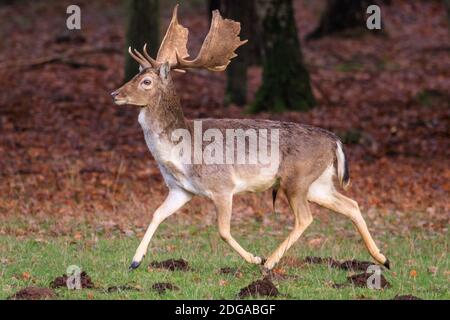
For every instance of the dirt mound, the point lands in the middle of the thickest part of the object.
(263, 287)
(406, 297)
(171, 264)
(361, 280)
(61, 282)
(161, 287)
(355, 265)
(33, 293)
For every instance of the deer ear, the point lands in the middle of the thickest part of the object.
(164, 71)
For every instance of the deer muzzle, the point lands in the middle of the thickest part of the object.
(117, 99)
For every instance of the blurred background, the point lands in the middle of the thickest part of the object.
(68, 154)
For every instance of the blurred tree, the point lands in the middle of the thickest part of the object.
(143, 27)
(341, 15)
(7, 2)
(245, 13)
(285, 83)
(250, 53)
(447, 5)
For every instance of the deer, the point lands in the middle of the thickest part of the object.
(311, 165)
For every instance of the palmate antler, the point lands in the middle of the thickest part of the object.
(215, 54)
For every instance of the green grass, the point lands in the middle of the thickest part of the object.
(106, 260)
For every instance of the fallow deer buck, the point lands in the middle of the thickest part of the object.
(309, 157)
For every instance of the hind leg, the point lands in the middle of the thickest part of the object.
(349, 208)
(303, 219)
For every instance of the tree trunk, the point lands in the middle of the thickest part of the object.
(251, 28)
(286, 84)
(245, 13)
(341, 15)
(143, 27)
(236, 89)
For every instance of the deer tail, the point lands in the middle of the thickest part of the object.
(342, 166)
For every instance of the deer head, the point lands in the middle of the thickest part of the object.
(154, 76)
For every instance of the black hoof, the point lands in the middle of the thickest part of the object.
(387, 264)
(263, 260)
(134, 265)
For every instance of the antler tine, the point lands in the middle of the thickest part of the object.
(142, 57)
(218, 47)
(154, 63)
(139, 59)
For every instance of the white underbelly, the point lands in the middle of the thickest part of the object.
(254, 183)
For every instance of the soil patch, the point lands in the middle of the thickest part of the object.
(171, 264)
(263, 287)
(355, 265)
(361, 280)
(161, 287)
(33, 293)
(61, 282)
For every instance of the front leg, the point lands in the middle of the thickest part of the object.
(223, 205)
(174, 201)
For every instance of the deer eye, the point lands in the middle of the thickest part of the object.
(146, 82)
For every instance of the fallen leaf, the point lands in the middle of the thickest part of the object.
(279, 271)
(26, 276)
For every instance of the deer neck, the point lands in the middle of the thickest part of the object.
(163, 116)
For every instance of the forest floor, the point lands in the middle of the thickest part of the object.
(76, 176)
(419, 268)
